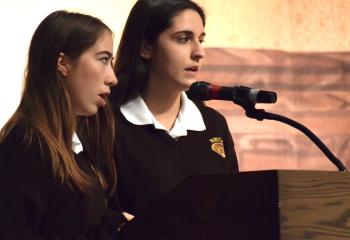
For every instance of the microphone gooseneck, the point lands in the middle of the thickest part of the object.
(247, 98)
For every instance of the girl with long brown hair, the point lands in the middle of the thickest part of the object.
(51, 186)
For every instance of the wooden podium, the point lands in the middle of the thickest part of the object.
(284, 204)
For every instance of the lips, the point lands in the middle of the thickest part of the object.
(192, 69)
(103, 99)
(191, 72)
(103, 95)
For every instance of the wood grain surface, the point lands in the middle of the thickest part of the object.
(314, 205)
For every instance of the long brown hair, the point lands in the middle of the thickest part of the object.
(46, 104)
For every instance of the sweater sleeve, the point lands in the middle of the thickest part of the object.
(26, 182)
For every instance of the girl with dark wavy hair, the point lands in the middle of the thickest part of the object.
(169, 137)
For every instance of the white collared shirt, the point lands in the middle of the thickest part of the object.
(77, 147)
(189, 117)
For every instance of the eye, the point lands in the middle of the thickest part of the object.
(183, 39)
(201, 41)
(104, 60)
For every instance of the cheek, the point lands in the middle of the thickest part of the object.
(170, 59)
(80, 83)
(87, 70)
(89, 77)
(164, 50)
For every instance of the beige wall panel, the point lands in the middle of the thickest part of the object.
(313, 89)
(294, 25)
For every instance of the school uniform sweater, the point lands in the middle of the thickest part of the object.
(35, 205)
(150, 162)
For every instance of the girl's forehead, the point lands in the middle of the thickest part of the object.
(187, 19)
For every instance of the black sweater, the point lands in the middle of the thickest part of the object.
(150, 162)
(35, 205)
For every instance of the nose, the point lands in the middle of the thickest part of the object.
(111, 79)
(198, 51)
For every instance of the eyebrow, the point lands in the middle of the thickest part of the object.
(189, 33)
(105, 52)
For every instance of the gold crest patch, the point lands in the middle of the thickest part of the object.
(217, 145)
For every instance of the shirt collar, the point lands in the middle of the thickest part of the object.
(189, 117)
(77, 147)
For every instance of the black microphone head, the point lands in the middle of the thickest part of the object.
(265, 97)
(205, 91)
(199, 91)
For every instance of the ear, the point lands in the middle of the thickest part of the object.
(146, 50)
(62, 65)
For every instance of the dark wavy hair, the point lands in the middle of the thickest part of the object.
(146, 21)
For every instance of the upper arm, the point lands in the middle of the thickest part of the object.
(24, 181)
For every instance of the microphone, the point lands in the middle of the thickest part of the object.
(206, 91)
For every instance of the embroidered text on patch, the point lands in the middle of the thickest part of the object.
(217, 145)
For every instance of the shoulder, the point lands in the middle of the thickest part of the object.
(15, 137)
(121, 121)
(25, 173)
(20, 148)
(208, 113)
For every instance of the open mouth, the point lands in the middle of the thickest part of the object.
(103, 99)
(104, 95)
(192, 69)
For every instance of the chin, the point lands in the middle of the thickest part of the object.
(92, 113)
(88, 113)
(187, 84)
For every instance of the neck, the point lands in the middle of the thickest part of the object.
(164, 103)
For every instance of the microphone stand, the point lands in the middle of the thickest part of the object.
(261, 114)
